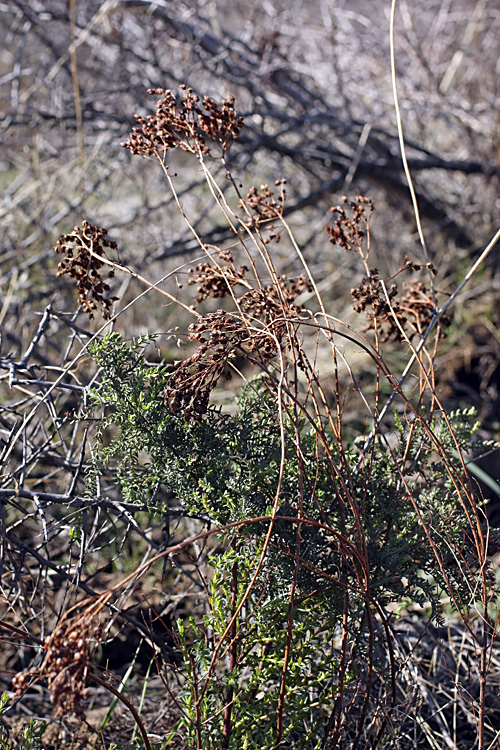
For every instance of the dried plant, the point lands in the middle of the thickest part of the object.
(349, 233)
(323, 524)
(222, 336)
(67, 658)
(216, 281)
(81, 263)
(396, 317)
(185, 124)
(264, 208)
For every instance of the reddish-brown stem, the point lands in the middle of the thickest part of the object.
(128, 704)
(233, 658)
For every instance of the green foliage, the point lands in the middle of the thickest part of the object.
(230, 468)
(324, 534)
(30, 737)
(261, 639)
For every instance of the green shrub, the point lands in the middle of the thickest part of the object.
(324, 528)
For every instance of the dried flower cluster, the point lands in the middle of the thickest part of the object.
(349, 233)
(81, 249)
(185, 124)
(222, 335)
(216, 281)
(370, 299)
(66, 662)
(417, 308)
(392, 315)
(263, 208)
(274, 303)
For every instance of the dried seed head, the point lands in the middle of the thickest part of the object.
(82, 249)
(184, 124)
(346, 232)
(222, 335)
(66, 662)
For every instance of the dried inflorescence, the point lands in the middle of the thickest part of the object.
(66, 662)
(392, 316)
(184, 124)
(81, 249)
(215, 281)
(370, 299)
(349, 233)
(276, 302)
(395, 317)
(222, 335)
(263, 208)
(417, 307)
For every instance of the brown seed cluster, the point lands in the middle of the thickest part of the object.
(276, 301)
(392, 316)
(413, 311)
(184, 124)
(80, 263)
(216, 281)
(417, 308)
(66, 663)
(264, 208)
(349, 233)
(221, 335)
(370, 299)
(191, 384)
